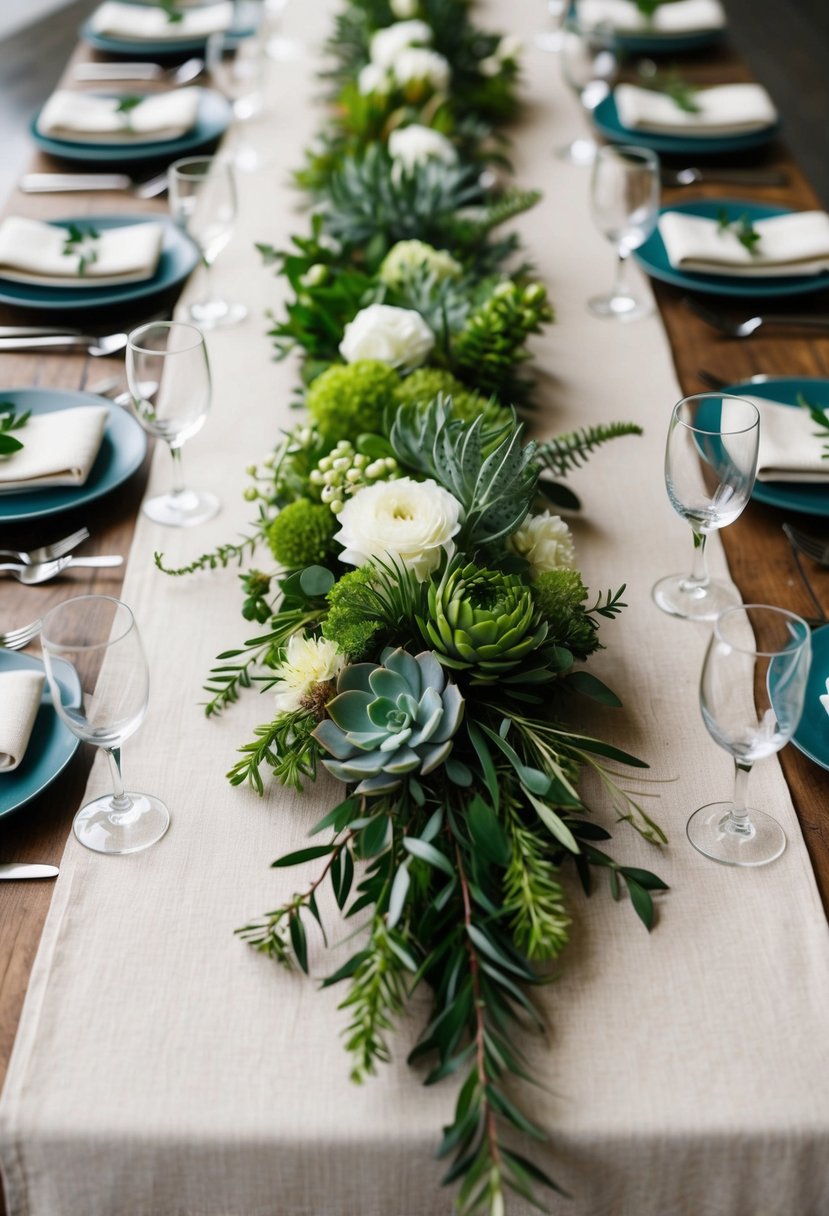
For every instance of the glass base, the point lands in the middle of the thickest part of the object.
(183, 510)
(100, 828)
(579, 152)
(210, 314)
(709, 832)
(247, 159)
(678, 596)
(284, 50)
(549, 41)
(622, 308)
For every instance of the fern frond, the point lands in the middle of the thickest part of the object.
(570, 451)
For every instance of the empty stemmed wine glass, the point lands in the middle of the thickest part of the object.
(237, 69)
(97, 637)
(589, 65)
(202, 195)
(624, 201)
(277, 44)
(752, 691)
(710, 466)
(169, 381)
(550, 39)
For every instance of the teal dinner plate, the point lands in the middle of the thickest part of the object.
(51, 746)
(179, 256)
(667, 44)
(606, 120)
(812, 734)
(212, 120)
(122, 451)
(809, 498)
(141, 48)
(653, 259)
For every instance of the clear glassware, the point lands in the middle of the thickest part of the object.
(751, 695)
(624, 201)
(97, 637)
(278, 45)
(169, 381)
(551, 38)
(237, 69)
(710, 466)
(202, 194)
(589, 65)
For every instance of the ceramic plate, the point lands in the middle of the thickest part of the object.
(606, 120)
(667, 44)
(812, 734)
(122, 451)
(212, 120)
(51, 746)
(141, 48)
(654, 260)
(179, 256)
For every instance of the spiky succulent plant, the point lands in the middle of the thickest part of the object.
(481, 621)
(390, 719)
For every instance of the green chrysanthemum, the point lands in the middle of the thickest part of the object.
(559, 596)
(352, 399)
(301, 534)
(350, 621)
(481, 620)
(423, 385)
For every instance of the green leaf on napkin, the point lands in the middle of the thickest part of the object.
(126, 106)
(742, 228)
(80, 243)
(10, 420)
(169, 7)
(819, 416)
(681, 92)
(648, 7)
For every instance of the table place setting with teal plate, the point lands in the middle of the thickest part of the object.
(679, 27)
(679, 142)
(118, 27)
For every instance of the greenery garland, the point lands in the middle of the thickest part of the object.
(426, 629)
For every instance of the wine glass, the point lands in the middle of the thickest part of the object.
(277, 45)
(169, 382)
(97, 637)
(751, 695)
(550, 39)
(710, 466)
(237, 69)
(589, 65)
(203, 201)
(624, 200)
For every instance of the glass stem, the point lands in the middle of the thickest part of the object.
(178, 474)
(698, 579)
(121, 803)
(738, 822)
(621, 284)
(208, 280)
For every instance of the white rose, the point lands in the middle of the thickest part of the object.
(420, 64)
(509, 48)
(397, 336)
(413, 145)
(374, 79)
(308, 661)
(403, 8)
(407, 256)
(546, 543)
(387, 44)
(411, 521)
(491, 66)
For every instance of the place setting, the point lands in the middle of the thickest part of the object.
(657, 29)
(118, 27)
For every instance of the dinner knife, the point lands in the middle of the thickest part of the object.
(41, 183)
(26, 869)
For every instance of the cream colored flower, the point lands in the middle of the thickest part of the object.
(408, 256)
(374, 79)
(308, 662)
(413, 522)
(420, 64)
(397, 336)
(509, 48)
(410, 146)
(388, 43)
(545, 541)
(403, 9)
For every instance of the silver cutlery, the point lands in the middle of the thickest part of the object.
(742, 177)
(750, 325)
(814, 547)
(719, 382)
(182, 74)
(47, 553)
(62, 183)
(44, 571)
(19, 639)
(107, 344)
(27, 869)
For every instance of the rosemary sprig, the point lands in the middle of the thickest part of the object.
(10, 420)
(742, 228)
(80, 243)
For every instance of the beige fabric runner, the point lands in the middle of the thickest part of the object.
(163, 1069)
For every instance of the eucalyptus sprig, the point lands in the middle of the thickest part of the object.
(125, 107)
(820, 416)
(11, 420)
(172, 12)
(681, 92)
(742, 228)
(81, 243)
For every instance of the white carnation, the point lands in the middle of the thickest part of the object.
(388, 43)
(403, 8)
(545, 541)
(410, 146)
(374, 79)
(419, 64)
(397, 336)
(407, 256)
(412, 522)
(308, 661)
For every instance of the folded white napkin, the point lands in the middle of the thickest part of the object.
(793, 244)
(33, 252)
(20, 693)
(118, 20)
(86, 118)
(726, 109)
(790, 448)
(59, 449)
(678, 17)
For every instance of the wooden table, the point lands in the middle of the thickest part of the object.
(757, 550)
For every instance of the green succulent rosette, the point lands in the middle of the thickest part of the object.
(390, 719)
(481, 620)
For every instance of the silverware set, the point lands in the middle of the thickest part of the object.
(749, 325)
(691, 176)
(49, 338)
(186, 72)
(40, 565)
(65, 183)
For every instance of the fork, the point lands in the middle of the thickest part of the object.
(17, 639)
(746, 177)
(104, 345)
(743, 329)
(813, 546)
(47, 553)
(183, 74)
(50, 183)
(44, 571)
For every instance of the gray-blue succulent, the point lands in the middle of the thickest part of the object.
(390, 719)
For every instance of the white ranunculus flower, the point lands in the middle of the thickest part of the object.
(387, 44)
(420, 64)
(407, 256)
(546, 543)
(374, 79)
(410, 146)
(490, 66)
(403, 9)
(397, 336)
(308, 661)
(509, 48)
(411, 521)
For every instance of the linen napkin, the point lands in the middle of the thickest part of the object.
(678, 17)
(726, 109)
(118, 20)
(86, 118)
(34, 252)
(59, 449)
(20, 693)
(790, 449)
(793, 244)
